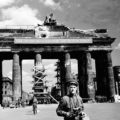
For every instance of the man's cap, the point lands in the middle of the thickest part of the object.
(72, 82)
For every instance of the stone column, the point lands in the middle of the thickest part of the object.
(65, 70)
(38, 62)
(16, 77)
(86, 83)
(38, 59)
(101, 74)
(117, 88)
(90, 82)
(104, 74)
(1, 83)
(82, 76)
(62, 76)
(21, 78)
(38, 76)
(109, 75)
(68, 75)
(116, 70)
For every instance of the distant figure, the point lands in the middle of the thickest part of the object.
(3, 104)
(71, 105)
(50, 17)
(35, 102)
(46, 20)
(19, 102)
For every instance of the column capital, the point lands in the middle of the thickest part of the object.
(37, 52)
(15, 52)
(87, 51)
(107, 51)
(100, 48)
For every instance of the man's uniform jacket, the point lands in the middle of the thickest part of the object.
(67, 104)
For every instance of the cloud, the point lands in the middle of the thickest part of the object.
(4, 3)
(103, 12)
(60, 4)
(27, 76)
(9, 75)
(28, 62)
(117, 47)
(50, 66)
(74, 68)
(24, 73)
(26, 81)
(19, 16)
(53, 4)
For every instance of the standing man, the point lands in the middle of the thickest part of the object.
(71, 105)
(35, 102)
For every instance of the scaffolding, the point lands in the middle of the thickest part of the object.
(40, 87)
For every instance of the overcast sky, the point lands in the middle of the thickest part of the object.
(82, 14)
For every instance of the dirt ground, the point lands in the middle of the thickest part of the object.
(96, 111)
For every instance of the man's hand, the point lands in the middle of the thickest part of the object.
(70, 114)
(77, 111)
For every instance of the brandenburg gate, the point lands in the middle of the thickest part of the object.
(53, 41)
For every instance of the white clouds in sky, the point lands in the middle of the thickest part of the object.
(4, 3)
(27, 81)
(23, 15)
(52, 4)
(74, 66)
(9, 75)
(117, 47)
(27, 62)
